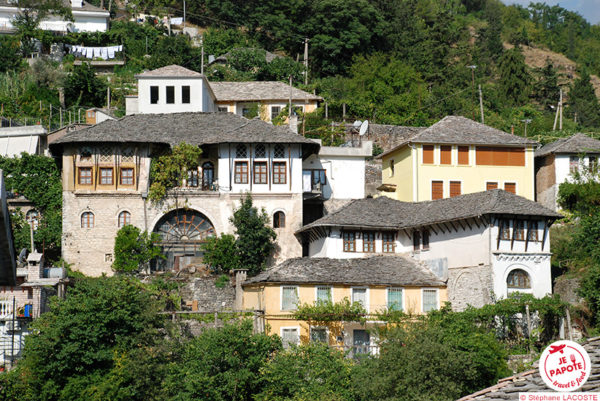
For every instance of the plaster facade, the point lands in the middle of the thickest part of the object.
(267, 108)
(84, 20)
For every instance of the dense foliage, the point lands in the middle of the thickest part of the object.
(134, 249)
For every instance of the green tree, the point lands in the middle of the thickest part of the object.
(11, 58)
(255, 239)
(545, 88)
(134, 249)
(514, 77)
(84, 88)
(220, 253)
(583, 101)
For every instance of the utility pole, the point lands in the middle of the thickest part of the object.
(526, 121)
(472, 67)
(202, 54)
(184, 15)
(560, 106)
(481, 105)
(305, 61)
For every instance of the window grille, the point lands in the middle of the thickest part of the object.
(241, 152)
(394, 301)
(279, 152)
(289, 299)
(259, 151)
(430, 301)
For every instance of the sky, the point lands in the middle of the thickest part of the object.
(589, 9)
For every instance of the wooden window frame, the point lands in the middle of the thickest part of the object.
(446, 152)
(260, 177)
(532, 231)
(80, 176)
(279, 219)
(243, 175)
(371, 248)
(102, 177)
(89, 219)
(385, 245)
(416, 241)
(278, 173)
(347, 242)
(274, 114)
(425, 240)
(122, 177)
(392, 167)
(519, 230)
(125, 220)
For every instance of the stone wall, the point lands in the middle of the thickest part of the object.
(210, 298)
(469, 286)
(545, 181)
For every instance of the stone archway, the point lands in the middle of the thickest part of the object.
(183, 233)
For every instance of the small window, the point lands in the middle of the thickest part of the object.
(278, 219)
(279, 152)
(33, 218)
(323, 294)
(108, 257)
(126, 176)
(289, 336)
(428, 154)
(573, 164)
(124, 218)
(455, 188)
(519, 231)
(279, 174)
(185, 94)
(425, 245)
(318, 335)
(241, 152)
(445, 154)
(416, 241)
(275, 110)
(463, 155)
(510, 187)
(85, 155)
(389, 244)
(170, 94)
(128, 155)
(360, 295)
(193, 178)
(87, 220)
(154, 94)
(392, 167)
(106, 176)
(505, 229)
(260, 152)
(394, 299)
(260, 172)
(491, 185)
(106, 154)
(430, 300)
(437, 190)
(368, 241)
(222, 109)
(241, 173)
(319, 179)
(289, 298)
(349, 241)
(518, 279)
(85, 176)
(532, 231)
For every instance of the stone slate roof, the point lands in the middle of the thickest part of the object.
(387, 213)
(268, 55)
(459, 130)
(170, 71)
(258, 90)
(531, 381)
(374, 270)
(578, 143)
(193, 128)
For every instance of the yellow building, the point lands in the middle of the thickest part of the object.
(268, 98)
(379, 283)
(458, 156)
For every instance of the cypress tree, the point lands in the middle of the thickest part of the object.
(583, 101)
(514, 78)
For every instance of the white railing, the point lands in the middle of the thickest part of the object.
(5, 309)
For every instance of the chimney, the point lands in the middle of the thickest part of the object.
(240, 277)
(294, 123)
(35, 266)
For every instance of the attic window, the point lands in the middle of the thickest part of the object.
(106, 154)
(127, 155)
(240, 152)
(260, 152)
(279, 152)
(85, 154)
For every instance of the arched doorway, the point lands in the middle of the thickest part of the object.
(183, 233)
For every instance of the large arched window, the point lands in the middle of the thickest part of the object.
(87, 220)
(208, 176)
(33, 218)
(278, 220)
(518, 279)
(124, 218)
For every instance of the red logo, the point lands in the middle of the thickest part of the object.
(565, 366)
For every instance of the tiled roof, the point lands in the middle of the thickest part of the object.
(170, 71)
(257, 91)
(531, 381)
(192, 128)
(375, 270)
(459, 130)
(578, 143)
(387, 213)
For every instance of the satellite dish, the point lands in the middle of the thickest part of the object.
(357, 123)
(363, 128)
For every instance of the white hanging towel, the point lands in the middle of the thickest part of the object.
(104, 53)
(97, 51)
(89, 52)
(111, 52)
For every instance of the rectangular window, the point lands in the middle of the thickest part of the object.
(455, 189)
(389, 244)
(185, 94)
(323, 294)
(368, 241)
(416, 240)
(573, 164)
(260, 172)
(437, 190)
(463, 155)
(505, 229)
(361, 342)
(85, 176)
(222, 109)
(532, 231)
(428, 154)
(275, 110)
(241, 172)
(349, 241)
(319, 179)
(289, 298)
(430, 299)
(154, 94)
(425, 245)
(106, 176)
(360, 295)
(318, 335)
(491, 185)
(289, 336)
(392, 166)
(193, 178)
(279, 173)
(126, 176)
(499, 156)
(170, 94)
(445, 154)
(519, 231)
(394, 299)
(510, 187)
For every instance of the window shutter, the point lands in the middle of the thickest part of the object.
(445, 154)
(510, 187)
(455, 188)
(428, 154)
(463, 155)
(491, 185)
(437, 190)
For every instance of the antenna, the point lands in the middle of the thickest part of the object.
(363, 128)
(357, 124)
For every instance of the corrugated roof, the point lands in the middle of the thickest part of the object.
(387, 213)
(258, 90)
(170, 71)
(375, 270)
(578, 143)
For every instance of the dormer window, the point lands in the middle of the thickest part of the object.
(240, 152)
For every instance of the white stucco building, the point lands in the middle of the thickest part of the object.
(487, 244)
(557, 161)
(86, 17)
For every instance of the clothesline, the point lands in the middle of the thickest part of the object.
(105, 52)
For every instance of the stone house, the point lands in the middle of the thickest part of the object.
(457, 156)
(556, 161)
(486, 244)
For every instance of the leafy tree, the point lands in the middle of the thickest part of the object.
(134, 249)
(583, 101)
(514, 77)
(174, 50)
(309, 372)
(220, 41)
(255, 239)
(220, 253)
(10, 54)
(83, 88)
(280, 69)
(545, 89)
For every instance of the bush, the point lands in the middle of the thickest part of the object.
(134, 249)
